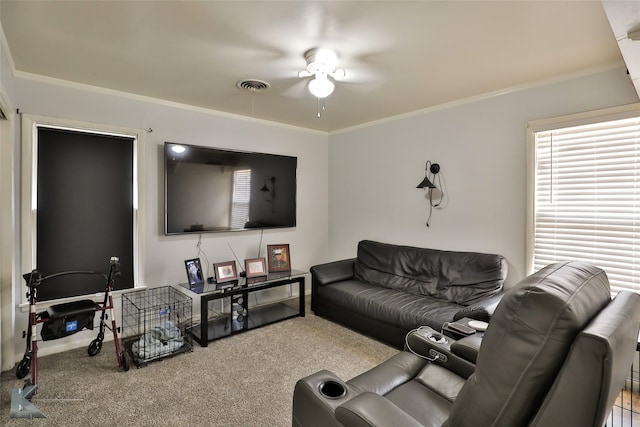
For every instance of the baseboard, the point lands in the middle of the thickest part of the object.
(78, 340)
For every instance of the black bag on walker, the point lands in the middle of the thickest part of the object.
(67, 319)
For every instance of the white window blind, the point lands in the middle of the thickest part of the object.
(587, 198)
(241, 198)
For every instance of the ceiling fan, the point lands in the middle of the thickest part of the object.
(321, 64)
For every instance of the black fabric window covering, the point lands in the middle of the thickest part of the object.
(85, 212)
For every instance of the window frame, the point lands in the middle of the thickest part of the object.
(586, 118)
(29, 144)
(241, 190)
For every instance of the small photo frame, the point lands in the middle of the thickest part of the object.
(279, 259)
(255, 267)
(225, 271)
(194, 272)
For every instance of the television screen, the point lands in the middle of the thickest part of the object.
(215, 190)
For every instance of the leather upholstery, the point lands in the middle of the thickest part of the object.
(390, 305)
(419, 343)
(557, 352)
(604, 351)
(468, 348)
(390, 289)
(456, 277)
(369, 409)
(523, 350)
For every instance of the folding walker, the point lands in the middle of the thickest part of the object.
(64, 319)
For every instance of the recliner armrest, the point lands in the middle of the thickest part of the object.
(468, 347)
(370, 410)
(311, 407)
(439, 353)
(336, 271)
(481, 310)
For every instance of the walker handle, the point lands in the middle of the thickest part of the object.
(114, 271)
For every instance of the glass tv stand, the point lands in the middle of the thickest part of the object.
(236, 307)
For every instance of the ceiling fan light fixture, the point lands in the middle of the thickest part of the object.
(321, 60)
(321, 64)
(321, 86)
(338, 75)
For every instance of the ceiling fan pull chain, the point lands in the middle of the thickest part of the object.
(253, 92)
(320, 106)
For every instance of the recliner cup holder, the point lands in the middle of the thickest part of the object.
(332, 389)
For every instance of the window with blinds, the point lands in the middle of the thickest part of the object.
(241, 198)
(586, 201)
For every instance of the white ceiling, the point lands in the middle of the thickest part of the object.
(399, 56)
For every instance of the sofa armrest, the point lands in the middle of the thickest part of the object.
(370, 410)
(336, 271)
(481, 310)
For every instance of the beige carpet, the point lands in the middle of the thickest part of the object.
(244, 380)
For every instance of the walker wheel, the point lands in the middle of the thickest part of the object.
(23, 367)
(94, 347)
(125, 361)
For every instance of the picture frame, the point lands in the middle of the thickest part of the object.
(225, 271)
(255, 267)
(194, 272)
(279, 257)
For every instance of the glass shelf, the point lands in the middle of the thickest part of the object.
(234, 307)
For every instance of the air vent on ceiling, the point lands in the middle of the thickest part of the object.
(253, 85)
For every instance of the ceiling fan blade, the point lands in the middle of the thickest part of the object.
(297, 90)
(362, 75)
(361, 80)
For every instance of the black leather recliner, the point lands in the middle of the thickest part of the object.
(556, 353)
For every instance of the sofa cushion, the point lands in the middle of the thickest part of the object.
(455, 277)
(423, 390)
(389, 305)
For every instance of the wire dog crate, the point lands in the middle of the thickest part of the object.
(626, 410)
(154, 324)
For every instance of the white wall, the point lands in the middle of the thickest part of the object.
(163, 256)
(8, 237)
(480, 147)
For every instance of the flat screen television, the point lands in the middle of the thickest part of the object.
(211, 190)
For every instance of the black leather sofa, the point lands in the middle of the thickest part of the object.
(557, 352)
(388, 290)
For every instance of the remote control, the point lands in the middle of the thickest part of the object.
(463, 329)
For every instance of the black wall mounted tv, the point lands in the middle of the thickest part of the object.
(211, 190)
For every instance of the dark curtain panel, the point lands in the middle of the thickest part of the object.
(85, 210)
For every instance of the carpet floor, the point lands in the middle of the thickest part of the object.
(243, 380)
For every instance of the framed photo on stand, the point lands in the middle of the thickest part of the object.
(194, 272)
(225, 271)
(255, 267)
(279, 259)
